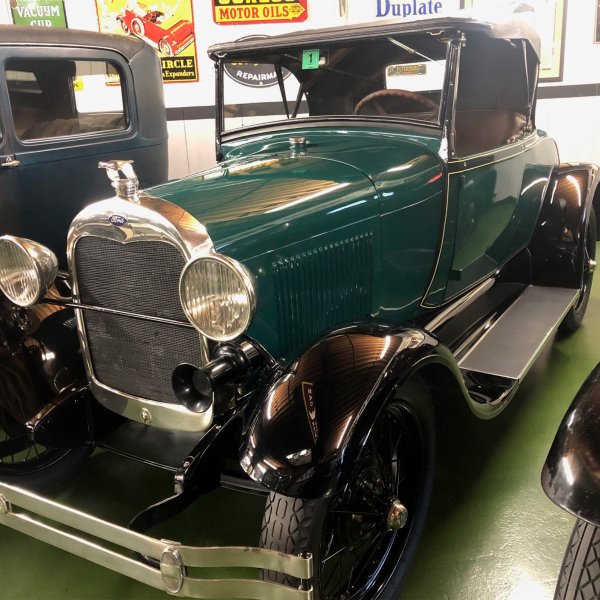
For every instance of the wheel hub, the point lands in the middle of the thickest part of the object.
(397, 515)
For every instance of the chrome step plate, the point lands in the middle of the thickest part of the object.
(515, 340)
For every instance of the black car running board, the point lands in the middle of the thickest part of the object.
(496, 364)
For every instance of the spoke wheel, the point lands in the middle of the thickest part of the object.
(25, 462)
(363, 537)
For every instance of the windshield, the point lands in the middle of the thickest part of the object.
(398, 77)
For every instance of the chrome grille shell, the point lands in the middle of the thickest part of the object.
(151, 219)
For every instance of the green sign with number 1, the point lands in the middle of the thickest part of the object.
(310, 59)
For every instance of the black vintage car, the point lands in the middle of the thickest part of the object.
(386, 230)
(67, 100)
(571, 479)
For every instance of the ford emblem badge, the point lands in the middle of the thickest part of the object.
(117, 220)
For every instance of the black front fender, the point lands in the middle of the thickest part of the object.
(307, 419)
(571, 474)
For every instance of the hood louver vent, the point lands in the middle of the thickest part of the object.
(327, 286)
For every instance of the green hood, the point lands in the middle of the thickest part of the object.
(263, 197)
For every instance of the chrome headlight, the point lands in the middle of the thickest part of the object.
(27, 270)
(218, 297)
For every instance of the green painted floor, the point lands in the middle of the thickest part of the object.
(491, 534)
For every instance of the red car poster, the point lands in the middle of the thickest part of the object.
(243, 12)
(167, 25)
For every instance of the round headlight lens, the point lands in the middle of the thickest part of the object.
(27, 269)
(218, 297)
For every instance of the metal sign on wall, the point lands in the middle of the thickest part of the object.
(39, 13)
(254, 74)
(241, 12)
(167, 26)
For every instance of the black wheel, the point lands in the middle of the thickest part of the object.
(364, 536)
(25, 463)
(573, 319)
(578, 577)
(164, 48)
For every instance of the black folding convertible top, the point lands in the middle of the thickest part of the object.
(15, 35)
(512, 30)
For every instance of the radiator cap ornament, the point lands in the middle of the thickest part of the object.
(126, 186)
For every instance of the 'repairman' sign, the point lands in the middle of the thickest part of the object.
(40, 13)
(240, 12)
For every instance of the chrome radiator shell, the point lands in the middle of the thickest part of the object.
(150, 220)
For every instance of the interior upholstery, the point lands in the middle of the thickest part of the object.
(479, 130)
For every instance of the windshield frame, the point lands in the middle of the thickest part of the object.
(222, 132)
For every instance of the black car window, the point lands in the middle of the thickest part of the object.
(494, 95)
(53, 98)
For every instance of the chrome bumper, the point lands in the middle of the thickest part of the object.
(174, 558)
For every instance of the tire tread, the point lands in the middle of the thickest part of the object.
(579, 577)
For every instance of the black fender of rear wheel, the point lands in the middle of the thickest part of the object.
(587, 258)
(359, 551)
(559, 240)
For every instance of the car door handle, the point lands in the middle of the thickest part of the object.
(10, 162)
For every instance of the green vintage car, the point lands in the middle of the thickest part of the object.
(386, 229)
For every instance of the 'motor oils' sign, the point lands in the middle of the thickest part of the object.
(236, 12)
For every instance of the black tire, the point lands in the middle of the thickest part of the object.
(26, 464)
(578, 578)
(574, 317)
(356, 556)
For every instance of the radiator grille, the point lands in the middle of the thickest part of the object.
(136, 356)
(139, 277)
(323, 287)
(129, 354)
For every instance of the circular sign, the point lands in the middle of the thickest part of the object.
(254, 74)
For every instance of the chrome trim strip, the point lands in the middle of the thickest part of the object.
(459, 305)
(163, 550)
(124, 313)
(149, 219)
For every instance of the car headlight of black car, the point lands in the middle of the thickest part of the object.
(27, 270)
(218, 296)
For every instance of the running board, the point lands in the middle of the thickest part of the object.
(506, 351)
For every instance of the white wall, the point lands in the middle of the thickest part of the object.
(573, 121)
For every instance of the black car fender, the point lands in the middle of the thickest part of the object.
(39, 357)
(325, 401)
(571, 473)
(558, 244)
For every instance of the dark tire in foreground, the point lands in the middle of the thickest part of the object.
(579, 577)
(574, 317)
(26, 464)
(358, 550)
